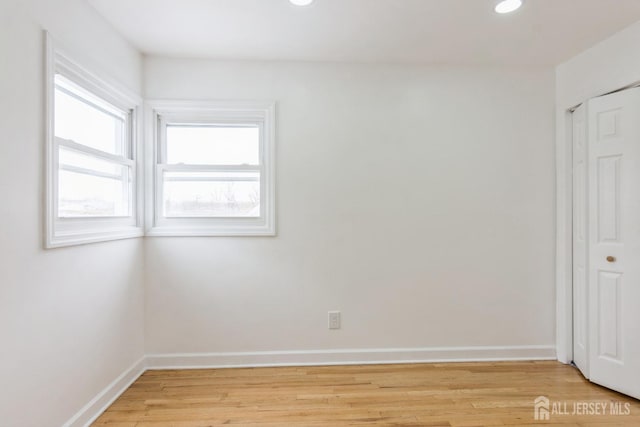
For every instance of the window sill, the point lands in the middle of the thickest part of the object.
(83, 238)
(258, 231)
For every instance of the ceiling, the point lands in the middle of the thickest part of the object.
(542, 32)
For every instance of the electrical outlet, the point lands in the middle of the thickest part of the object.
(334, 320)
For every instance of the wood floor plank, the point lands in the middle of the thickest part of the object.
(449, 395)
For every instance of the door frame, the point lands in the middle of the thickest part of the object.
(564, 235)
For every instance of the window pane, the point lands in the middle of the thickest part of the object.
(92, 187)
(213, 145)
(87, 120)
(211, 194)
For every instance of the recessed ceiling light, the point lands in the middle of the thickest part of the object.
(301, 2)
(507, 6)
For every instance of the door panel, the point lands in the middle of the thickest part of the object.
(608, 171)
(613, 153)
(609, 312)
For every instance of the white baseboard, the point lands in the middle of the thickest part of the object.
(350, 357)
(92, 410)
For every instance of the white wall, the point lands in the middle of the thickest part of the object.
(71, 320)
(609, 65)
(416, 200)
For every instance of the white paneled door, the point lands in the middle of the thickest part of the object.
(612, 324)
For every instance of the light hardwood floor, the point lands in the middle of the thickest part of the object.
(453, 394)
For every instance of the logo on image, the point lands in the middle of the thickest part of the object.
(541, 408)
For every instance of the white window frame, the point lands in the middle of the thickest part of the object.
(75, 231)
(239, 113)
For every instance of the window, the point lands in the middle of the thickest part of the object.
(91, 157)
(213, 169)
